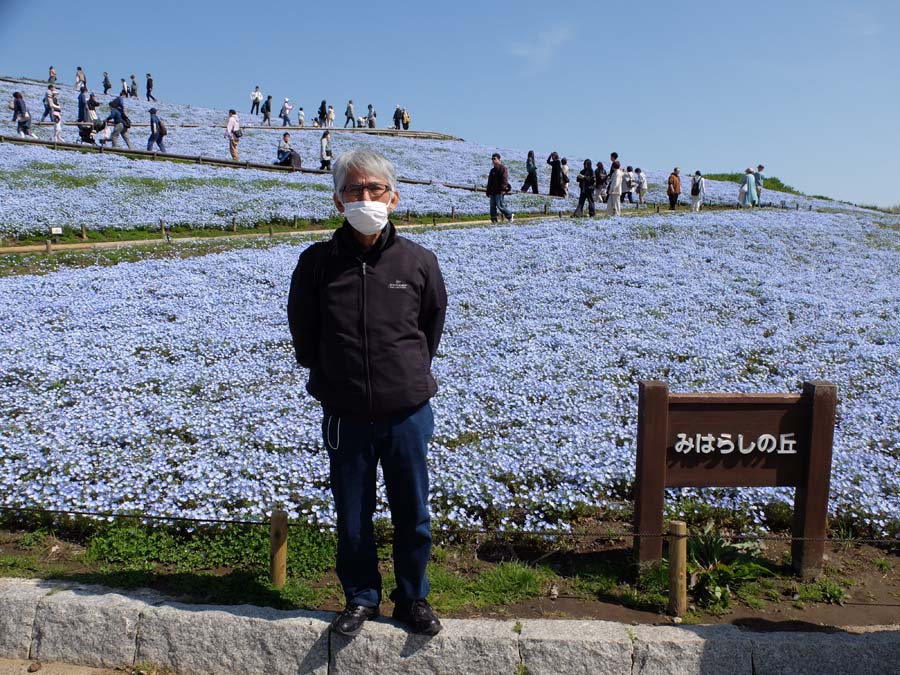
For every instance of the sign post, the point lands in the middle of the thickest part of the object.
(736, 440)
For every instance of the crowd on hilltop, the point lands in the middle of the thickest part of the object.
(261, 104)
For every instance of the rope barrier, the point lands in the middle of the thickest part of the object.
(604, 536)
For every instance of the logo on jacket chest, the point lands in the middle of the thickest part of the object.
(398, 285)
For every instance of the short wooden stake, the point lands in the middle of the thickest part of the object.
(278, 533)
(83, 231)
(49, 246)
(271, 233)
(162, 227)
(433, 220)
(407, 215)
(453, 212)
(657, 208)
(677, 568)
(233, 224)
(295, 222)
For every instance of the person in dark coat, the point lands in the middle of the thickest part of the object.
(531, 174)
(586, 183)
(366, 312)
(497, 186)
(267, 111)
(150, 96)
(82, 105)
(107, 85)
(556, 183)
(601, 181)
(398, 116)
(323, 114)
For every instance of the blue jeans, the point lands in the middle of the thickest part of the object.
(497, 205)
(156, 138)
(354, 450)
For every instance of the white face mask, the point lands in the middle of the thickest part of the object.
(366, 217)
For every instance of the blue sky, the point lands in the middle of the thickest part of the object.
(808, 89)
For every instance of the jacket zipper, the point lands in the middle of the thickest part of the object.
(369, 397)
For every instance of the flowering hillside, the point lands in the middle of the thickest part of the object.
(169, 387)
(109, 191)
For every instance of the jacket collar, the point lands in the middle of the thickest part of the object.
(344, 242)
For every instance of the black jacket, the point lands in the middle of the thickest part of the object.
(498, 181)
(367, 323)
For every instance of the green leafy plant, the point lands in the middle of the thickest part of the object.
(718, 568)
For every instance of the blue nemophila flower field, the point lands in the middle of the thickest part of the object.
(40, 187)
(169, 387)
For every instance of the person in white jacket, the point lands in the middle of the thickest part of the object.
(641, 186)
(698, 191)
(614, 191)
(233, 133)
(285, 113)
(256, 98)
(56, 116)
(326, 152)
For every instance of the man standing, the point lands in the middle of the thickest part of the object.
(497, 186)
(366, 312)
(673, 188)
(759, 177)
(398, 117)
(150, 95)
(233, 133)
(349, 115)
(267, 111)
(698, 191)
(107, 85)
(256, 98)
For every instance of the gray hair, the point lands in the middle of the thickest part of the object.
(365, 161)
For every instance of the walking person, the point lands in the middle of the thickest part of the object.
(371, 116)
(92, 105)
(326, 153)
(564, 168)
(107, 85)
(406, 119)
(349, 115)
(330, 117)
(614, 189)
(124, 92)
(323, 114)
(301, 117)
(134, 87)
(56, 118)
(285, 112)
(601, 182)
(398, 117)
(556, 188)
(51, 77)
(530, 174)
(82, 105)
(256, 97)
(628, 185)
(641, 186)
(150, 96)
(21, 116)
(498, 186)
(673, 188)
(157, 131)
(698, 191)
(267, 111)
(46, 101)
(233, 133)
(121, 124)
(758, 178)
(586, 183)
(366, 312)
(80, 79)
(747, 193)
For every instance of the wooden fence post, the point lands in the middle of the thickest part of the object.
(83, 231)
(278, 532)
(650, 475)
(453, 212)
(49, 246)
(233, 224)
(295, 222)
(271, 232)
(162, 227)
(677, 568)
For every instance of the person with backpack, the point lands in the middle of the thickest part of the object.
(497, 187)
(698, 191)
(233, 133)
(107, 85)
(371, 117)
(326, 153)
(285, 112)
(673, 188)
(21, 116)
(267, 111)
(530, 174)
(121, 123)
(641, 186)
(628, 184)
(150, 96)
(349, 115)
(256, 97)
(157, 132)
(406, 119)
(586, 182)
(80, 79)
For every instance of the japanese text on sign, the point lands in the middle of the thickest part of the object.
(725, 444)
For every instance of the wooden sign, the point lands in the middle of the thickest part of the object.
(736, 440)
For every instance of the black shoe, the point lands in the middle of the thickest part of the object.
(351, 620)
(419, 616)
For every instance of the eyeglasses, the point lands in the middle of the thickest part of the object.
(355, 192)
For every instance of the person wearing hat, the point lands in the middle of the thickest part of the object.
(285, 113)
(233, 133)
(157, 131)
(150, 88)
